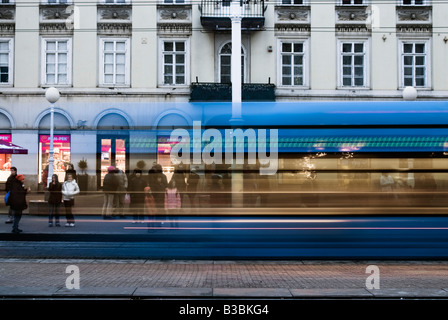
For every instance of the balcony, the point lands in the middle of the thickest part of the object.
(215, 14)
(221, 92)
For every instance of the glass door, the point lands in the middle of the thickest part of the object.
(113, 151)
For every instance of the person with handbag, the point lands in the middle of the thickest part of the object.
(17, 200)
(8, 189)
(69, 189)
(54, 200)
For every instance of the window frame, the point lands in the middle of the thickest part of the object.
(425, 3)
(10, 62)
(306, 59)
(244, 73)
(364, 3)
(428, 74)
(126, 2)
(291, 3)
(44, 41)
(57, 2)
(174, 2)
(127, 76)
(366, 66)
(161, 64)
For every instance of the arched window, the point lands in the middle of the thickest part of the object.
(225, 58)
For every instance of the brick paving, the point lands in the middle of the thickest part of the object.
(248, 278)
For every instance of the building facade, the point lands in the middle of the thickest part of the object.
(128, 67)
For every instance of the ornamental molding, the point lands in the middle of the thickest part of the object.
(108, 13)
(292, 14)
(61, 28)
(362, 29)
(7, 13)
(7, 29)
(414, 29)
(296, 28)
(406, 15)
(172, 14)
(175, 28)
(55, 12)
(352, 15)
(114, 28)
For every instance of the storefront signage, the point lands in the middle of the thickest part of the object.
(56, 138)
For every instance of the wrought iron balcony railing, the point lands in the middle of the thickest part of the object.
(216, 14)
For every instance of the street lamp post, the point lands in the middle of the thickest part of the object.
(52, 95)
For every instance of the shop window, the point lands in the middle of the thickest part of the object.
(5, 160)
(61, 155)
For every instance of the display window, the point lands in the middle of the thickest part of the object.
(113, 153)
(61, 155)
(5, 159)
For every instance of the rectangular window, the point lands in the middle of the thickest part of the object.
(353, 59)
(174, 62)
(293, 2)
(414, 64)
(58, 1)
(292, 63)
(115, 1)
(173, 1)
(115, 66)
(57, 61)
(7, 1)
(353, 2)
(413, 2)
(61, 155)
(6, 61)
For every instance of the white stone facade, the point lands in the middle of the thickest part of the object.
(112, 61)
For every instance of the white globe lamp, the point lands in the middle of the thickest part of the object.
(410, 94)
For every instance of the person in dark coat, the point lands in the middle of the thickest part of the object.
(8, 184)
(136, 188)
(179, 177)
(17, 200)
(54, 200)
(70, 170)
(192, 186)
(110, 186)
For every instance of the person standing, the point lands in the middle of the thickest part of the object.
(54, 201)
(110, 185)
(136, 188)
(69, 189)
(70, 170)
(17, 200)
(172, 202)
(192, 186)
(8, 185)
(122, 186)
(158, 192)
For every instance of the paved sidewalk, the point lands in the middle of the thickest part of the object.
(153, 279)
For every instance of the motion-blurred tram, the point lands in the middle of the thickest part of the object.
(353, 180)
(336, 158)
